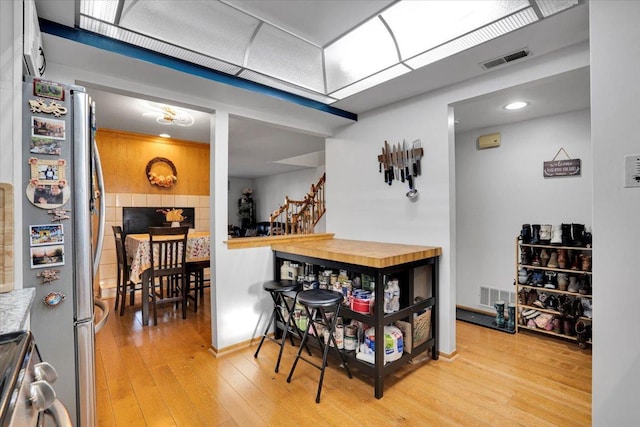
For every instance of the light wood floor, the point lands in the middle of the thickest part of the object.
(165, 376)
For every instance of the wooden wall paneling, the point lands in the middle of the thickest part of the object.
(125, 156)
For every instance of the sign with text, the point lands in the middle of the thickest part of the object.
(555, 168)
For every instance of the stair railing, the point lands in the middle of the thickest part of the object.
(300, 216)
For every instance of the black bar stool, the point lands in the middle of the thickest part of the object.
(281, 291)
(321, 301)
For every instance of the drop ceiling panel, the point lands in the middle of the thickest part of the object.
(319, 22)
(299, 62)
(211, 28)
(420, 26)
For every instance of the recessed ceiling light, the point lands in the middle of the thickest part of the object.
(516, 105)
(165, 135)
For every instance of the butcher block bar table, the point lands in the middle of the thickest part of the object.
(380, 261)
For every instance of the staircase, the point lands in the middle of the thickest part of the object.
(299, 216)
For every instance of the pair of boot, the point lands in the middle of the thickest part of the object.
(581, 262)
(575, 235)
(540, 234)
(583, 332)
(564, 234)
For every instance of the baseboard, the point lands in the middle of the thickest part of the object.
(476, 310)
(107, 292)
(448, 357)
(233, 348)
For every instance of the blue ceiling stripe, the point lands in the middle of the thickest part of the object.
(132, 51)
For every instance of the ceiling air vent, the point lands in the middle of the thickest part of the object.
(506, 58)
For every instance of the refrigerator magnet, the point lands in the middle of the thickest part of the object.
(47, 256)
(45, 196)
(46, 234)
(42, 145)
(46, 89)
(53, 299)
(40, 106)
(49, 275)
(59, 214)
(48, 128)
(48, 172)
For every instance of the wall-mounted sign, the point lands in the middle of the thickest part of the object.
(568, 167)
(555, 168)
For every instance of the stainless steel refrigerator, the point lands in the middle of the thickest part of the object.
(61, 241)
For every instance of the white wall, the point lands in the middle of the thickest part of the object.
(11, 117)
(235, 192)
(499, 189)
(615, 126)
(361, 206)
(239, 307)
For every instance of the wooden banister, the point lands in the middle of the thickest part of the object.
(300, 216)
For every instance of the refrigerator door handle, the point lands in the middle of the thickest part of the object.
(99, 195)
(105, 314)
(101, 209)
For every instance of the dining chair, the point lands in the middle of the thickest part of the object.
(168, 271)
(196, 277)
(123, 283)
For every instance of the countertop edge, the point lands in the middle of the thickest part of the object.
(364, 253)
(254, 242)
(15, 306)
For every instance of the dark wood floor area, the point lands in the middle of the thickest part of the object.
(164, 375)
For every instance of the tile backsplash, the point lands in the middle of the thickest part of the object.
(113, 216)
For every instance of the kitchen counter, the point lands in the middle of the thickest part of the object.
(418, 298)
(14, 309)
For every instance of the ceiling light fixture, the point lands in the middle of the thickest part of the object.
(516, 105)
(168, 115)
(164, 135)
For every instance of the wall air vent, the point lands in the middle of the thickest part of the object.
(489, 296)
(510, 57)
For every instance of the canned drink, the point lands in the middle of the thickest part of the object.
(339, 336)
(350, 331)
(350, 343)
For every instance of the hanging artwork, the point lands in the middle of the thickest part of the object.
(161, 172)
(556, 168)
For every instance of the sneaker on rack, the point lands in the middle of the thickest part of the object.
(587, 307)
(551, 303)
(574, 286)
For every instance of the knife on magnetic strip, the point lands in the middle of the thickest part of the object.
(388, 162)
(383, 162)
(396, 159)
(401, 162)
(417, 146)
(406, 159)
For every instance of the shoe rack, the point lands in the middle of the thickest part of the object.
(554, 290)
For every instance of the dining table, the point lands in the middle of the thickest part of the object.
(139, 257)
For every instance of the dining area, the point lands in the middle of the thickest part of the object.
(164, 263)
